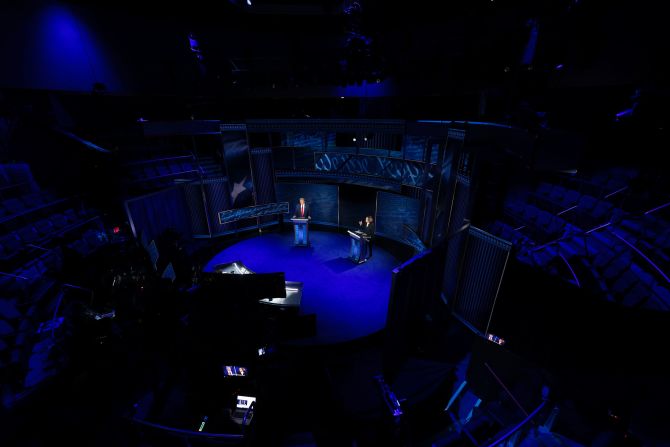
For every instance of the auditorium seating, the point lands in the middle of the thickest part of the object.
(35, 228)
(579, 222)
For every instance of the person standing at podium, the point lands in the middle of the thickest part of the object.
(368, 227)
(302, 210)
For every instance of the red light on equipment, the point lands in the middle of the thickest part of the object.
(116, 230)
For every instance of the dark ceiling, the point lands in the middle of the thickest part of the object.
(440, 60)
(427, 48)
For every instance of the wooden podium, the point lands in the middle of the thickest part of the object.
(301, 231)
(359, 246)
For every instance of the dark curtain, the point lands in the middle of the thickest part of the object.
(193, 194)
(443, 190)
(152, 214)
(217, 196)
(264, 183)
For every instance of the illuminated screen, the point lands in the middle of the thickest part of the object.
(239, 371)
(245, 401)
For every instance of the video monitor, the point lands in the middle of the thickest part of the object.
(235, 371)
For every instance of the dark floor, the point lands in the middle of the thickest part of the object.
(327, 392)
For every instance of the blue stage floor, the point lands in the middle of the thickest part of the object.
(350, 300)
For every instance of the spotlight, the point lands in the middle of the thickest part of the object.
(249, 2)
(195, 46)
(353, 139)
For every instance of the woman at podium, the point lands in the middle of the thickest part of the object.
(368, 227)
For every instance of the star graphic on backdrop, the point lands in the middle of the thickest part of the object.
(238, 188)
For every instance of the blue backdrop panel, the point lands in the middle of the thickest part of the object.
(236, 156)
(444, 192)
(356, 202)
(394, 211)
(152, 214)
(264, 178)
(403, 171)
(415, 147)
(253, 211)
(193, 193)
(261, 160)
(218, 198)
(322, 200)
(303, 139)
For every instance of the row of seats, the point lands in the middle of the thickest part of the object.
(29, 354)
(623, 272)
(611, 263)
(604, 182)
(649, 228)
(588, 211)
(15, 178)
(13, 242)
(28, 337)
(546, 225)
(612, 250)
(16, 206)
(32, 277)
(31, 263)
(620, 274)
(507, 232)
(89, 242)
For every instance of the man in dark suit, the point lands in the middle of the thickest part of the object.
(368, 227)
(302, 210)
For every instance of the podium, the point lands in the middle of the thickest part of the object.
(301, 231)
(359, 246)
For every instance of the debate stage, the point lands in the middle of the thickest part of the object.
(349, 300)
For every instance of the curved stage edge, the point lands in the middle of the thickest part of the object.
(350, 301)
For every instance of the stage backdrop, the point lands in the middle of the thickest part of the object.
(152, 214)
(356, 202)
(322, 199)
(394, 211)
(236, 156)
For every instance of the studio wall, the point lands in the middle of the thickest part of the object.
(322, 199)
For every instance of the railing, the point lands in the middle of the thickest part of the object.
(29, 211)
(12, 186)
(411, 238)
(156, 160)
(173, 174)
(186, 435)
